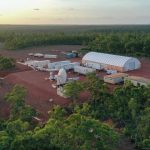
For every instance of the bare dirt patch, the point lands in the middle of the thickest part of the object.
(23, 53)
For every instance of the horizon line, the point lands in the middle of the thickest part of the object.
(75, 24)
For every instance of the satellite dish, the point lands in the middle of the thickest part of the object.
(61, 77)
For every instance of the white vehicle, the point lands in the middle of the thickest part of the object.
(30, 54)
(83, 70)
(38, 55)
(50, 56)
(73, 79)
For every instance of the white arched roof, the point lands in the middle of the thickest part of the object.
(108, 59)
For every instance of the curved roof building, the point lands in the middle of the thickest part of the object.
(109, 61)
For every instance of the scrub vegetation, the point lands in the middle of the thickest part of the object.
(75, 131)
(128, 107)
(6, 63)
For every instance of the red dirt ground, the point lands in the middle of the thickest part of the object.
(19, 68)
(23, 54)
(144, 71)
(40, 90)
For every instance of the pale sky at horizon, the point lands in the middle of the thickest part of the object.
(74, 11)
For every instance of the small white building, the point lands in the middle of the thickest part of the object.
(83, 70)
(58, 64)
(110, 62)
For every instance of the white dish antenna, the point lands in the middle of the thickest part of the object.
(61, 77)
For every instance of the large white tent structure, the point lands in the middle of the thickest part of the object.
(108, 61)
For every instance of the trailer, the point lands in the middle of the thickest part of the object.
(136, 80)
(115, 78)
(50, 56)
(83, 70)
(55, 65)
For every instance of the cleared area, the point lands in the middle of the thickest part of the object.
(41, 95)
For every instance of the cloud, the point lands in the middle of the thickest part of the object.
(1, 15)
(36, 9)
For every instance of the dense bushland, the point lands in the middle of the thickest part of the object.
(80, 126)
(134, 44)
(62, 131)
(127, 106)
(125, 40)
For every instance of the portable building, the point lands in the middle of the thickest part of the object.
(112, 62)
(115, 78)
(68, 66)
(83, 70)
(36, 63)
(58, 63)
(136, 80)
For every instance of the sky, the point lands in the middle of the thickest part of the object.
(75, 12)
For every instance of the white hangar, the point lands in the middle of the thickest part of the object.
(108, 61)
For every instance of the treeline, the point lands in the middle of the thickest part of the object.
(132, 44)
(22, 40)
(127, 106)
(63, 130)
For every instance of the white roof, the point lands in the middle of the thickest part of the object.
(103, 58)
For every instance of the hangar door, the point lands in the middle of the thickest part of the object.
(131, 65)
